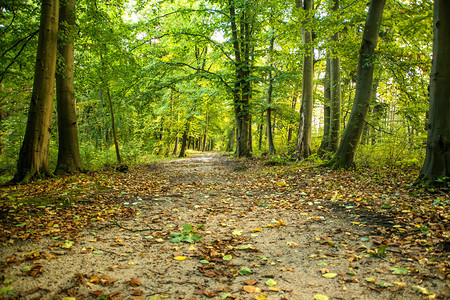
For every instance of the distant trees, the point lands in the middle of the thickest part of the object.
(202, 75)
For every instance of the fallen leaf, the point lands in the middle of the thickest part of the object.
(245, 271)
(227, 257)
(251, 289)
(270, 282)
(320, 297)
(134, 282)
(67, 244)
(329, 275)
(180, 257)
(250, 282)
(399, 271)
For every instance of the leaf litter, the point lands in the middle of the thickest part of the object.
(214, 227)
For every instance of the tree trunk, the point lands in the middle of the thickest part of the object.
(33, 156)
(113, 126)
(241, 90)
(293, 104)
(231, 137)
(323, 149)
(69, 160)
(335, 94)
(205, 144)
(184, 141)
(436, 168)
(303, 149)
(269, 99)
(175, 148)
(344, 157)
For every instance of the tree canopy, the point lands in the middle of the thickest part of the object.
(205, 68)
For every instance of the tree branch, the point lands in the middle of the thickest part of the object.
(27, 39)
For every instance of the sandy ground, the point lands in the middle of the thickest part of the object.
(260, 240)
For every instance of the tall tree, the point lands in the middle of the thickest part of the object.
(335, 90)
(324, 145)
(269, 97)
(436, 168)
(345, 154)
(303, 149)
(242, 87)
(69, 159)
(33, 156)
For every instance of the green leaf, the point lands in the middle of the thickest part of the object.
(384, 284)
(224, 296)
(227, 257)
(270, 282)
(187, 228)
(67, 244)
(399, 271)
(245, 271)
(421, 290)
(6, 290)
(97, 252)
(329, 275)
(204, 261)
(320, 297)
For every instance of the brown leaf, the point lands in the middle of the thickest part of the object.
(136, 292)
(210, 294)
(250, 282)
(134, 282)
(36, 271)
(115, 296)
(96, 293)
(251, 289)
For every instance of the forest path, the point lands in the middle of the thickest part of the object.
(257, 232)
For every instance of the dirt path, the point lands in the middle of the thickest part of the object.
(264, 234)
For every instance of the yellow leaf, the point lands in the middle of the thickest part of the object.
(180, 257)
(281, 183)
(320, 297)
(292, 244)
(371, 280)
(402, 284)
(261, 297)
(329, 275)
(256, 230)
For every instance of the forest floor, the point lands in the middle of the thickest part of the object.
(211, 226)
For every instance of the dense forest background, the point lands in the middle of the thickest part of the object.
(232, 75)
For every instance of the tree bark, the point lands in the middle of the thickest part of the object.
(69, 160)
(269, 99)
(436, 168)
(205, 144)
(184, 140)
(290, 131)
(323, 149)
(33, 155)
(344, 157)
(303, 149)
(335, 92)
(241, 90)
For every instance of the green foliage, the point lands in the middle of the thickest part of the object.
(188, 234)
(379, 252)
